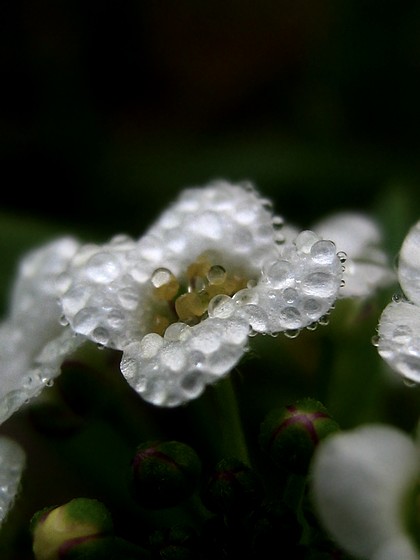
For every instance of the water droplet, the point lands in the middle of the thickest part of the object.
(321, 284)
(342, 255)
(292, 333)
(342, 283)
(324, 320)
(280, 274)
(63, 321)
(409, 383)
(290, 295)
(49, 383)
(216, 275)
(305, 240)
(246, 296)
(323, 252)
(401, 334)
(397, 298)
(277, 222)
(221, 306)
(375, 340)
(103, 268)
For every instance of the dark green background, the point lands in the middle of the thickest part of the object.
(108, 109)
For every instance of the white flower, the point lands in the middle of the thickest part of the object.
(399, 324)
(365, 490)
(12, 463)
(181, 302)
(359, 237)
(33, 343)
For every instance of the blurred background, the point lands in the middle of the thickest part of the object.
(108, 109)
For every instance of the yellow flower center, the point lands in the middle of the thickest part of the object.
(188, 300)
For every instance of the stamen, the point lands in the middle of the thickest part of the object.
(190, 307)
(216, 275)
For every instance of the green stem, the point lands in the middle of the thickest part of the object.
(217, 417)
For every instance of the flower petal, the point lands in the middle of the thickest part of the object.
(401, 548)
(359, 236)
(12, 463)
(171, 370)
(399, 338)
(409, 264)
(32, 341)
(359, 483)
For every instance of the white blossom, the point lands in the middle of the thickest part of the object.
(365, 489)
(33, 343)
(181, 301)
(359, 237)
(399, 324)
(12, 464)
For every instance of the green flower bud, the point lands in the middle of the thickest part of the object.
(165, 473)
(233, 487)
(58, 532)
(290, 435)
(174, 543)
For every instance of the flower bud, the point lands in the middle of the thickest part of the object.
(233, 487)
(290, 435)
(59, 532)
(174, 543)
(165, 473)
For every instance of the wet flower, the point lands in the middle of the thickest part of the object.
(366, 491)
(181, 302)
(359, 237)
(33, 343)
(12, 464)
(399, 324)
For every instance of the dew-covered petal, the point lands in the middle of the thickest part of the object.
(399, 338)
(300, 287)
(12, 464)
(24, 375)
(359, 237)
(33, 340)
(359, 483)
(171, 370)
(409, 264)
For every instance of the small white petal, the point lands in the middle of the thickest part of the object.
(397, 549)
(399, 338)
(409, 265)
(360, 480)
(33, 340)
(12, 464)
(359, 237)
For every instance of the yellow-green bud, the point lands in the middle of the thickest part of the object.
(57, 531)
(165, 473)
(290, 435)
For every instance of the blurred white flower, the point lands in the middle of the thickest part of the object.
(181, 301)
(359, 236)
(33, 343)
(399, 324)
(365, 490)
(12, 463)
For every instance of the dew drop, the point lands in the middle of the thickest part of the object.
(409, 383)
(323, 252)
(401, 334)
(63, 321)
(216, 275)
(397, 298)
(342, 255)
(292, 333)
(375, 340)
(221, 306)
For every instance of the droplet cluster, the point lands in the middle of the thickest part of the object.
(12, 462)
(181, 301)
(399, 338)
